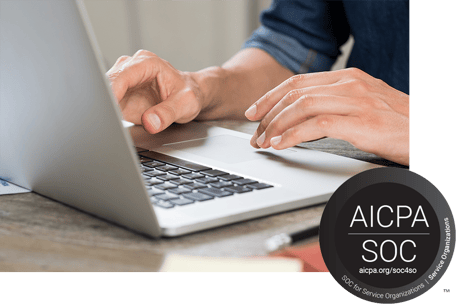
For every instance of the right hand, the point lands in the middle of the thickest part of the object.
(152, 93)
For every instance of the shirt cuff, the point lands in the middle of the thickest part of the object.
(288, 51)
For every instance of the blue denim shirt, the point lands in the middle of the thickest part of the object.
(305, 36)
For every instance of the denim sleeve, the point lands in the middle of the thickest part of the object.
(302, 35)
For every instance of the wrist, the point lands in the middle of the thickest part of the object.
(209, 82)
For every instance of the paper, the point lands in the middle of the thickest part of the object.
(8, 188)
(177, 263)
(127, 124)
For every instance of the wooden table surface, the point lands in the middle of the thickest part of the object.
(39, 234)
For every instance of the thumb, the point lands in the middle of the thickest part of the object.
(180, 107)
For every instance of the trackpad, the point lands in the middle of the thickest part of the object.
(226, 148)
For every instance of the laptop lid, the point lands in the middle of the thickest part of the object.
(60, 130)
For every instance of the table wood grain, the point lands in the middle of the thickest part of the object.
(39, 234)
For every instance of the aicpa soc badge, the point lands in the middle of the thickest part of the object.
(387, 235)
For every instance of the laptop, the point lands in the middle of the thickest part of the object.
(62, 136)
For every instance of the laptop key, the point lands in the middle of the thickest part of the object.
(182, 201)
(153, 164)
(193, 176)
(180, 191)
(195, 196)
(164, 204)
(154, 181)
(207, 180)
(244, 181)
(154, 191)
(166, 168)
(238, 189)
(154, 200)
(259, 186)
(154, 173)
(229, 177)
(145, 169)
(167, 177)
(144, 159)
(180, 172)
(175, 161)
(221, 184)
(166, 196)
(181, 181)
(213, 173)
(215, 192)
(195, 186)
(166, 186)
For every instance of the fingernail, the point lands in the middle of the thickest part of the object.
(251, 111)
(261, 139)
(253, 139)
(255, 135)
(276, 140)
(155, 121)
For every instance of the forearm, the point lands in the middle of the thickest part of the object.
(228, 91)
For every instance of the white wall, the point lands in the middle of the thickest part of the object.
(191, 34)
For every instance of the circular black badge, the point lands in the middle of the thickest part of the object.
(387, 235)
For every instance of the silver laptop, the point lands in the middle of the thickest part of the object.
(61, 135)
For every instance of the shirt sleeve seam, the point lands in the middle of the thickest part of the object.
(288, 51)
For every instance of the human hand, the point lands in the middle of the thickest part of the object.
(151, 92)
(346, 104)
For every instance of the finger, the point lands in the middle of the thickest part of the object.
(180, 107)
(337, 89)
(334, 126)
(253, 140)
(287, 100)
(267, 102)
(120, 61)
(306, 107)
(138, 70)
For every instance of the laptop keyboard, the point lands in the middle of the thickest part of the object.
(174, 182)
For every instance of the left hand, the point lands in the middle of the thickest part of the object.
(346, 104)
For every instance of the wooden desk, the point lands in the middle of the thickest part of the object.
(39, 234)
